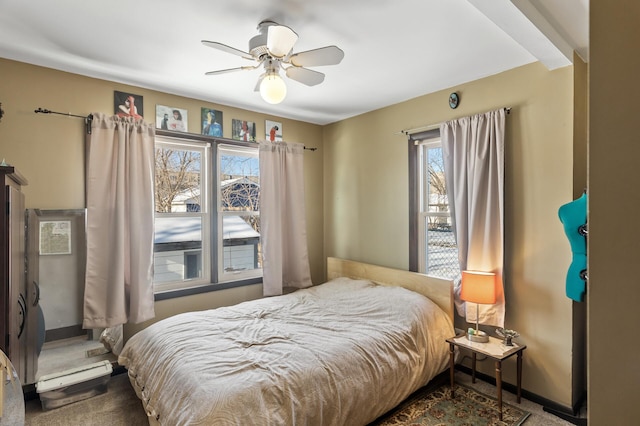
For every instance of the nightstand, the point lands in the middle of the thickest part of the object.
(494, 349)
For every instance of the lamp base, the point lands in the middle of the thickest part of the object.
(478, 336)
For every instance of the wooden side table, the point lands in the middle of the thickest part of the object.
(494, 349)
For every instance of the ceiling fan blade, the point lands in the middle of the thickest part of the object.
(305, 76)
(280, 40)
(329, 55)
(227, 49)
(230, 70)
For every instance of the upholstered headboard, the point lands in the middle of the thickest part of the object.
(439, 290)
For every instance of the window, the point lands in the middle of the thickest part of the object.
(238, 212)
(207, 214)
(433, 246)
(180, 186)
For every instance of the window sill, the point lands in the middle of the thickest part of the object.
(172, 294)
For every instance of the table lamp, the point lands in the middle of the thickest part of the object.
(478, 287)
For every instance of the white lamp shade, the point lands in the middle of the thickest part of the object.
(272, 88)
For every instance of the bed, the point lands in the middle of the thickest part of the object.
(340, 353)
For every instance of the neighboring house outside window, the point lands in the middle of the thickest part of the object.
(207, 224)
(433, 248)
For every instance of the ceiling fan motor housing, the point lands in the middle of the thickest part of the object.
(258, 44)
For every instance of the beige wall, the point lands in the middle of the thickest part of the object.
(366, 203)
(49, 150)
(614, 203)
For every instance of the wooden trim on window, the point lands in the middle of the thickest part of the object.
(414, 200)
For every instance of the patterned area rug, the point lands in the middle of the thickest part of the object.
(436, 408)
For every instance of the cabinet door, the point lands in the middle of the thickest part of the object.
(35, 335)
(17, 288)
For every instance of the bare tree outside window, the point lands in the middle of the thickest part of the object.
(181, 217)
(437, 195)
(240, 186)
(436, 172)
(177, 177)
(441, 253)
(240, 206)
(193, 205)
(240, 179)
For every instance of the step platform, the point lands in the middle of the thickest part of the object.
(76, 384)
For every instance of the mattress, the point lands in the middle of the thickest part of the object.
(341, 353)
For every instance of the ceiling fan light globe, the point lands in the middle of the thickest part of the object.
(273, 89)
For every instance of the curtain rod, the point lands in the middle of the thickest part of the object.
(432, 126)
(87, 118)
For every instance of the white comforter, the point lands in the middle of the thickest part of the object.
(341, 353)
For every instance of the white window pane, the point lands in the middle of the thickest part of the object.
(239, 213)
(438, 248)
(178, 179)
(239, 179)
(241, 244)
(181, 247)
(185, 187)
(177, 240)
(442, 252)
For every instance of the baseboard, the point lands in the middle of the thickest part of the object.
(565, 412)
(64, 333)
(568, 417)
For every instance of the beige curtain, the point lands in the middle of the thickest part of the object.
(120, 211)
(473, 152)
(283, 230)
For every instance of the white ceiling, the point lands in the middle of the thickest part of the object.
(394, 49)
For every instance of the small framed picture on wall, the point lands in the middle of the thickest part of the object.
(55, 237)
(127, 105)
(171, 118)
(273, 130)
(243, 130)
(211, 122)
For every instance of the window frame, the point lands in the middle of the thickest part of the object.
(212, 282)
(418, 250)
(180, 143)
(224, 276)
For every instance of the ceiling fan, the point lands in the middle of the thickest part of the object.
(272, 49)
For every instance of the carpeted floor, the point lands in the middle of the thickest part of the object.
(120, 407)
